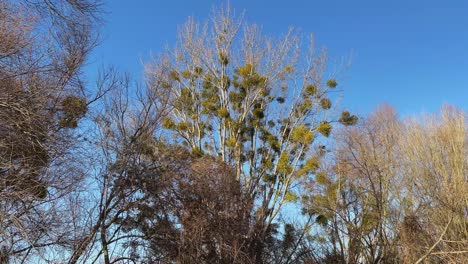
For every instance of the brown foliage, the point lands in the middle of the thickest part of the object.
(396, 191)
(199, 210)
(214, 215)
(42, 46)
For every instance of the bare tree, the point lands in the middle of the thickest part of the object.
(395, 191)
(355, 197)
(255, 102)
(42, 99)
(124, 135)
(435, 155)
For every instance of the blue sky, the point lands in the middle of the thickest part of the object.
(410, 54)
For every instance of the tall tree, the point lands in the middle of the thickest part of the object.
(43, 45)
(434, 148)
(258, 103)
(394, 192)
(355, 198)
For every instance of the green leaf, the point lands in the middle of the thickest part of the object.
(290, 196)
(325, 128)
(332, 83)
(283, 164)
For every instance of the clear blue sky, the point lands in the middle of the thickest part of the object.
(411, 54)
